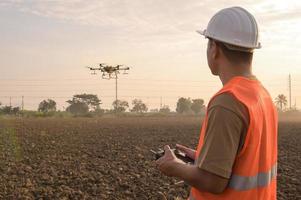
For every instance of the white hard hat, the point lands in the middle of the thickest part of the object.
(234, 26)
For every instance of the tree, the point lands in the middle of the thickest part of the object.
(48, 105)
(197, 105)
(165, 109)
(83, 103)
(77, 108)
(91, 100)
(120, 106)
(8, 110)
(183, 105)
(15, 110)
(139, 106)
(281, 101)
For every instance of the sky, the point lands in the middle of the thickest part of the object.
(45, 46)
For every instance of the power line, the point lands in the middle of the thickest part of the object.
(199, 89)
(129, 79)
(83, 79)
(107, 96)
(142, 83)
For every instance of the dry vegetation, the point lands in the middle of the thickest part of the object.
(109, 158)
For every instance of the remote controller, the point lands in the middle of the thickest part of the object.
(182, 156)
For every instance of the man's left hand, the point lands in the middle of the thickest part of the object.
(167, 163)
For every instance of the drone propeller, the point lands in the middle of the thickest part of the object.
(102, 64)
(92, 68)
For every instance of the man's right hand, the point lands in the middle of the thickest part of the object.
(189, 152)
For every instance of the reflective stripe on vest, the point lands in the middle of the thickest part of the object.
(241, 183)
(250, 182)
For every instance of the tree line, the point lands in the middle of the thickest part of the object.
(85, 104)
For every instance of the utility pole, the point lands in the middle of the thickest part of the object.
(290, 90)
(160, 102)
(9, 101)
(295, 106)
(116, 90)
(22, 107)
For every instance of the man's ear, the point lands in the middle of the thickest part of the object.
(215, 50)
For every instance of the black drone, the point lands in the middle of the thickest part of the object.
(109, 71)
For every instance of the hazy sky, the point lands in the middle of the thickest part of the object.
(45, 45)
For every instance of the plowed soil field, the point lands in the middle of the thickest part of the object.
(109, 158)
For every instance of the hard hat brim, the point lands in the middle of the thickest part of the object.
(204, 33)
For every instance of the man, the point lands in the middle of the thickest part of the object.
(236, 156)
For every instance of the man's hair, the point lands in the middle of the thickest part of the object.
(235, 56)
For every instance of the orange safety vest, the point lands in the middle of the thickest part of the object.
(255, 168)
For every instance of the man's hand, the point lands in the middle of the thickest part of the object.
(170, 165)
(167, 163)
(189, 152)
